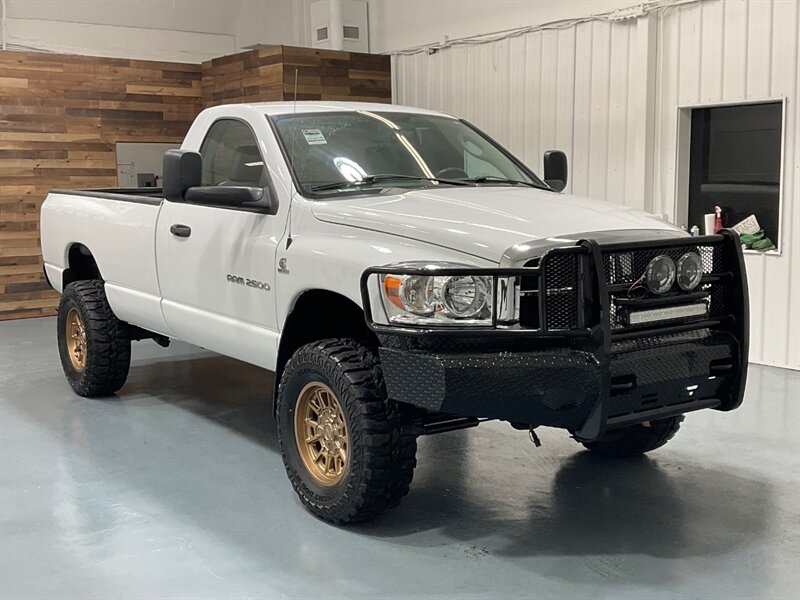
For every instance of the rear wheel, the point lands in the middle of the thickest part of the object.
(347, 451)
(94, 346)
(635, 439)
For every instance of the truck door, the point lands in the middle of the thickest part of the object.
(216, 265)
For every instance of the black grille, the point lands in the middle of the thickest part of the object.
(529, 302)
(561, 283)
(561, 291)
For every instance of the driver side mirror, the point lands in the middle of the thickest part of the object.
(183, 182)
(555, 169)
(182, 169)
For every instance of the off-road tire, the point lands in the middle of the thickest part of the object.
(108, 344)
(382, 445)
(635, 439)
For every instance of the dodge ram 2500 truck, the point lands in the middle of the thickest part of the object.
(403, 275)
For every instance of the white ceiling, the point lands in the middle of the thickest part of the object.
(394, 24)
(208, 16)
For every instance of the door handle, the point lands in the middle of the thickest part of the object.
(181, 230)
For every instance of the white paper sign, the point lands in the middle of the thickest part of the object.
(314, 137)
(748, 225)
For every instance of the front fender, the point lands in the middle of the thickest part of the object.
(335, 260)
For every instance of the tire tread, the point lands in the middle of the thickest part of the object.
(389, 445)
(636, 439)
(108, 340)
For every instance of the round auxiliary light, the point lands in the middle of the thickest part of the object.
(660, 274)
(464, 296)
(690, 271)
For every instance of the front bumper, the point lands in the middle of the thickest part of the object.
(588, 377)
(564, 387)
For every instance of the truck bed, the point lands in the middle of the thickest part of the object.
(117, 227)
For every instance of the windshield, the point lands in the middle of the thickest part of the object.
(343, 152)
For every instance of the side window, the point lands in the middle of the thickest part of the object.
(230, 155)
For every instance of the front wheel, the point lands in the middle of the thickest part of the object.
(346, 450)
(635, 439)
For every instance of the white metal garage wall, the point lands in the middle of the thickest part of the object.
(733, 51)
(568, 89)
(608, 94)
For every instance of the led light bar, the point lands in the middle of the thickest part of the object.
(668, 313)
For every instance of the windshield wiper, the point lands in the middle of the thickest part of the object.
(490, 178)
(372, 179)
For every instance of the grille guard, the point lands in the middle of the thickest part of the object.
(593, 297)
(495, 327)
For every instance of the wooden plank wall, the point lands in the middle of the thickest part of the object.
(336, 75)
(268, 74)
(60, 118)
(254, 76)
(62, 115)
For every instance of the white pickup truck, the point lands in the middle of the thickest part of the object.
(403, 275)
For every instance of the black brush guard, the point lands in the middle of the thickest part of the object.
(573, 360)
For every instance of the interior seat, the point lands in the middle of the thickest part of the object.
(247, 167)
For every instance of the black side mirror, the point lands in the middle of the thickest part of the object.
(183, 169)
(232, 196)
(555, 169)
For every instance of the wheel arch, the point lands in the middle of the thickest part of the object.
(81, 265)
(319, 314)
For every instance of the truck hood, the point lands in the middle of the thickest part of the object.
(487, 221)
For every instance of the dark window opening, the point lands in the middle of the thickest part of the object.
(735, 163)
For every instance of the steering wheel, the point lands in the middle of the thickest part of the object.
(457, 173)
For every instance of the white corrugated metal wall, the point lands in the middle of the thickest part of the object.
(608, 94)
(731, 51)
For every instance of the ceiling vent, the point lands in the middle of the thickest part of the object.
(340, 25)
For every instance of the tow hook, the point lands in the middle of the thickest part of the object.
(534, 438)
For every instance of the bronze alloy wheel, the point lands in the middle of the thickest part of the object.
(344, 444)
(76, 340)
(93, 345)
(321, 433)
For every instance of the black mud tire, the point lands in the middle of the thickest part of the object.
(635, 439)
(108, 344)
(382, 444)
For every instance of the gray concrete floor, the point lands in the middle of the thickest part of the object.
(175, 489)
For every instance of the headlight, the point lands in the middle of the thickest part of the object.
(437, 299)
(690, 271)
(465, 296)
(411, 293)
(660, 274)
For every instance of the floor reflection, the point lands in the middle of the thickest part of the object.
(586, 505)
(481, 487)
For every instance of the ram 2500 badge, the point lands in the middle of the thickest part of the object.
(403, 275)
